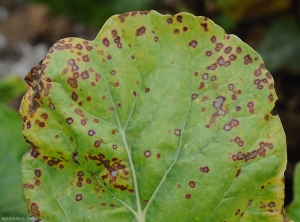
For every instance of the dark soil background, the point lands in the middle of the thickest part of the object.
(29, 28)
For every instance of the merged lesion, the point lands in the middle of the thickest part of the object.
(33, 80)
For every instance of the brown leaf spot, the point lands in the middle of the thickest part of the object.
(37, 172)
(34, 208)
(78, 197)
(105, 42)
(192, 184)
(147, 153)
(193, 44)
(140, 31)
(204, 169)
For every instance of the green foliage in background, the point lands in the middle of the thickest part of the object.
(293, 210)
(160, 117)
(12, 147)
(11, 87)
(94, 12)
(281, 46)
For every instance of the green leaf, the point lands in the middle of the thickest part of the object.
(293, 209)
(159, 118)
(12, 147)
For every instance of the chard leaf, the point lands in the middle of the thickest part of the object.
(159, 118)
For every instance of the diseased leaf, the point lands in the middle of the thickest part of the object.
(160, 117)
(293, 210)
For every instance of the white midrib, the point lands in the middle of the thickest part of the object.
(139, 213)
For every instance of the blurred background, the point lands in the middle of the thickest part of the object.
(29, 27)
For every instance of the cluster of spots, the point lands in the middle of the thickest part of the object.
(204, 26)
(28, 186)
(204, 169)
(33, 80)
(238, 212)
(104, 204)
(260, 151)
(259, 82)
(61, 45)
(116, 171)
(117, 39)
(140, 31)
(80, 175)
(132, 14)
(221, 61)
(250, 106)
(53, 161)
(84, 120)
(33, 150)
(238, 141)
(269, 205)
(247, 59)
(232, 123)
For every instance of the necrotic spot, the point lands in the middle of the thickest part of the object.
(114, 146)
(169, 21)
(204, 169)
(91, 132)
(147, 153)
(105, 42)
(213, 39)
(192, 184)
(141, 31)
(70, 120)
(97, 143)
(74, 96)
(78, 197)
(205, 76)
(227, 50)
(179, 18)
(208, 53)
(86, 58)
(37, 172)
(85, 74)
(188, 196)
(193, 44)
(177, 132)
